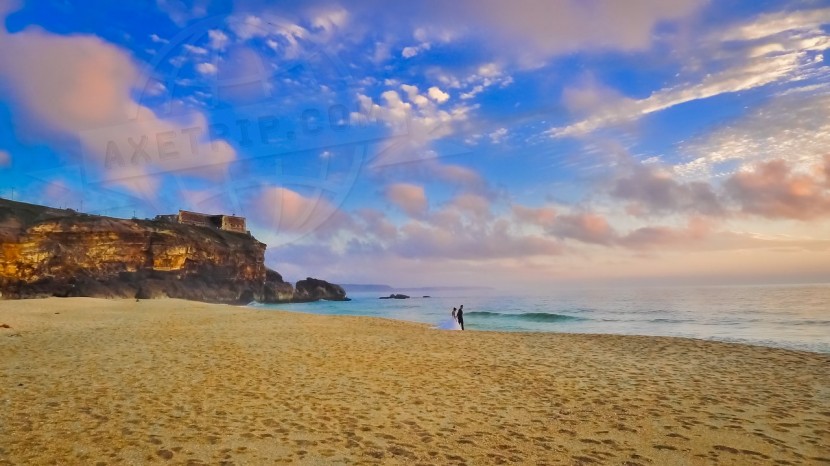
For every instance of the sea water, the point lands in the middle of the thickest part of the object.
(787, 316)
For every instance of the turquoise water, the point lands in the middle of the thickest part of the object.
(791, 316)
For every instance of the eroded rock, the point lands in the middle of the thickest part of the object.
(53, 252)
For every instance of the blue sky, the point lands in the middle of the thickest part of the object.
(509, 144)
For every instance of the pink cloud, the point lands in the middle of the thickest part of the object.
(276, 215)
(462, 229)
(661, 236)
(576, 26)
(590, 96)
(592, 228)
(377, 224)
(431, 170)
(473, 204)
(544, 217)
(82, 86)
(71, 83)
(456, 174)
(651, 190)
(773, 190)
(585, 227)
(449, 220)
(282, 210)
(410, 198)
(494, 242)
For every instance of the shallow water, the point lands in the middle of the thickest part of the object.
(788, 316)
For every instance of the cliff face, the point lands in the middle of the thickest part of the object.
(51, 252)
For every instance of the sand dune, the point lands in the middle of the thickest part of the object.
(86, 381)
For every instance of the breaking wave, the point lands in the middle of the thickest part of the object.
(527, 316)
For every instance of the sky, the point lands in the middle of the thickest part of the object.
(523, 145)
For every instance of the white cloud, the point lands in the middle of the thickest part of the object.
(489, 70)
(159, 40)
(775, 23)
(414, 96)
(411, 51)
(248, 26)
(383, 51)
(206, 68)
(482, 77)
(748, 76)
(498, 135)
(330, 19)
(218, 39)
(414, 115)
(746, 65)
(155, 88)
(438, 95)
(281, 34)
(426, 36)
(794, 127)
(474, 91)
(194, 49)
(180, 13)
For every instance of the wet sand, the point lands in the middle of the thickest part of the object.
(85, 381)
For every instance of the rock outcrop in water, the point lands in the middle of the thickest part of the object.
(55, 252)
(312, 289)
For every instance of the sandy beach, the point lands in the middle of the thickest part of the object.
(86, 381)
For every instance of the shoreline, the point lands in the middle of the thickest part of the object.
(752, 343)
(428, 326)
(125, 382)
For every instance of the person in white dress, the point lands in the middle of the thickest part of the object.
(450, 324)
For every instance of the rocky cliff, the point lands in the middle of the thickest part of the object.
(55, 252)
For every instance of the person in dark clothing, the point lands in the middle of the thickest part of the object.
(460, 316)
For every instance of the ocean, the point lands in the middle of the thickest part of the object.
(785, 316)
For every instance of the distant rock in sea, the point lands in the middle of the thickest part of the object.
(395, 296)
(56, 252)
(312, 289)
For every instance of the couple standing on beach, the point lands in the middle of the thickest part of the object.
(458, 315)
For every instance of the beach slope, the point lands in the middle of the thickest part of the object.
(86, 381)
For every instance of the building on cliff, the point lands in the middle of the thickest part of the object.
(222, 222)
